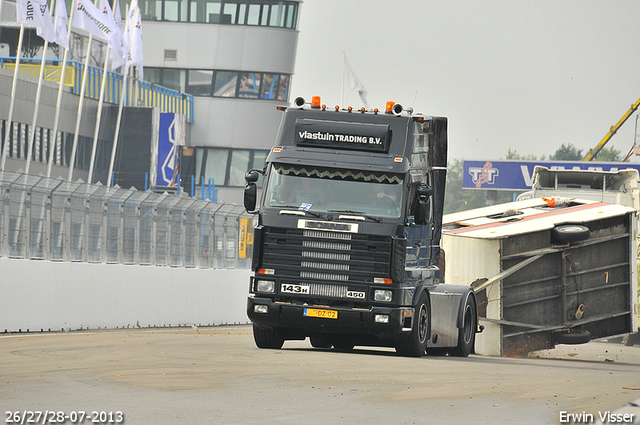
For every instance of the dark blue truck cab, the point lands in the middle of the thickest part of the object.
(346, 244)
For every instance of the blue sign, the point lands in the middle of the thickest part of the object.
(518, 175)
(170, 137)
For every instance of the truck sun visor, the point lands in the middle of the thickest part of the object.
(342, 135)
(340, 174)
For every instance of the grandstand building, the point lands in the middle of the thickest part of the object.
(222, 65)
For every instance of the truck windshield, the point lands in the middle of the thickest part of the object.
(319, 189)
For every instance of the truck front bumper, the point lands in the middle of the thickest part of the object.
(383, 322)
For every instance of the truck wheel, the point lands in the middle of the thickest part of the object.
(571, 336)
(570, 233)
(319, 342)
(416, 344)
(467, 333)
(268, 338)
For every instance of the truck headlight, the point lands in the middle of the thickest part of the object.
(382, 295)
(265, 286)
(261, 309)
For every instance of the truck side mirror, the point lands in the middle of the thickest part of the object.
(251, 176)
(250, 190)
(422, 203)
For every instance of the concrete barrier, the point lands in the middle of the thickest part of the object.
(51, 296)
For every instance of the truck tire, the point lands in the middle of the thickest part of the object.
(570, 233)
(467, 333)
(571, 336)
(268, 338)
(416, 344)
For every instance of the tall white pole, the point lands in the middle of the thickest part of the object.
(98, 116)
(123, 92)
(8, 125)
(34, 121)
(117, 133)
(56, 120)
(74, 148)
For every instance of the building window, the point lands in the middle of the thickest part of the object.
(215, 166)
(199, 82)
(227, 167)
(226, 83)
(173, 79)
(273, 13)
(249, 85)
(269, 87)
(238, 167)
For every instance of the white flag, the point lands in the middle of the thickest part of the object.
(89, 18)
(117, 16)
(60, 25)
(355, 84)
(35, 13)
(116, 43)
(133, 35)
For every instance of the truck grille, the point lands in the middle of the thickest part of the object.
(328, 290)
(314, 255)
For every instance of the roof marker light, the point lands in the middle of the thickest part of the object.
(362, 110)
(349, 109)
(337, 108)
(389, 108)
(324, 107)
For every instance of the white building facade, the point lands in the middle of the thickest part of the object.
(237, 59)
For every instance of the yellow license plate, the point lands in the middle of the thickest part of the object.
(325, 314)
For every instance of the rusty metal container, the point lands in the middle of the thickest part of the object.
(545, 275)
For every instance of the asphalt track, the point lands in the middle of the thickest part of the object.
(217, 376)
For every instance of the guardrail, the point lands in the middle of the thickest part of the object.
(137, 92)
(59, 220)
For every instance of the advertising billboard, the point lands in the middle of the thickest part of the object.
(171, 136)
(518, 175)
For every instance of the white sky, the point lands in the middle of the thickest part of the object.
(525, 75)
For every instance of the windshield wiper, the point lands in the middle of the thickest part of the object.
(294, 210)
(358, 213)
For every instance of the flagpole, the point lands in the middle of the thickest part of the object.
(8, 125)
(117, 133)
(123, 90)
(34, 121)
(32, 134)
(74, 147)
(344, 58)
(56, 120)
(99, 114)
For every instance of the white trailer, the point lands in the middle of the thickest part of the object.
(545, 275)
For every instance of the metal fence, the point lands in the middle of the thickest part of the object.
(60, 220)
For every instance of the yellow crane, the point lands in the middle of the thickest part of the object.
(594, 152)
